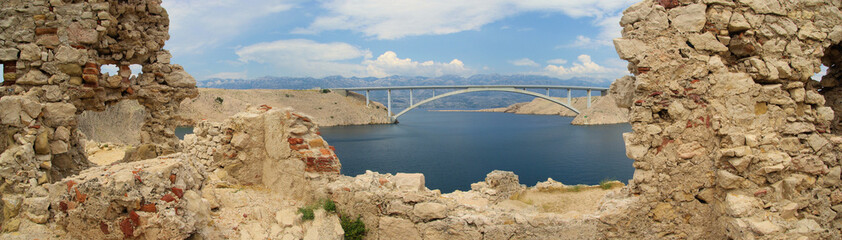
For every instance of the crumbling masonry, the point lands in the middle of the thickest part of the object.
(731, 136)
(51, 52)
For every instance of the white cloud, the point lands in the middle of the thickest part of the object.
(524, 62)
(199, 24)
(557, 61)
(389, 64)
(300, 50)
(584, 68)
(228, 75)
(389, 19)
(302, 57)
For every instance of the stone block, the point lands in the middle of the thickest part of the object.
(33, 77)
(60, 114)
(427, 211)
(738, 205)
(409, 181)
(9, 54)
(398, 228)
(689, 18)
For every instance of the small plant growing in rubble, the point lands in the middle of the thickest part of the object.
(354, 229)
(329, 205)
(306, 213)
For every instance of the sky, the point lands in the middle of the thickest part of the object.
(380, 38)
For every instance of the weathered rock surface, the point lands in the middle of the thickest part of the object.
(150, 199)
(52, 52)
(730, 133)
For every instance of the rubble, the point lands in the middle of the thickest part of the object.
(728, 143)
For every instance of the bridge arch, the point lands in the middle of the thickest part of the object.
(469, 90)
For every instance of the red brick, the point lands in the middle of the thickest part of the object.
(43, 31)
(178, 192)
(90, 78)
(104, 228)
(149, 208)
(325, 151)
(88, 70)
(135, 218)
(127, 228)
(168, 198)
(295, 141)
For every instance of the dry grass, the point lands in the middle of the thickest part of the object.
(580, 198)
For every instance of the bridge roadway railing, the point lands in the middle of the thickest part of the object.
(522, 89)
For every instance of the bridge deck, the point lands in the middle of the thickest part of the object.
(473, 86)
(459, 89)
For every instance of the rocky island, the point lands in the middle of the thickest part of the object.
(731, 139)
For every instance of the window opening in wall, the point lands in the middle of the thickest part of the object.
(9, 72)
(820, 74)
(136, 69)
(111, 69)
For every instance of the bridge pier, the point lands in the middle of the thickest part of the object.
(548, 92)
(389, 106)
(569, 98)
(367, 101)
(410, 97)
(589, 98)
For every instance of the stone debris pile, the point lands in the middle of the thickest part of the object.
(401, 206)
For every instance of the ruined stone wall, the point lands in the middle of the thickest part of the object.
(52, 53)
(731, 138)
(279, 149)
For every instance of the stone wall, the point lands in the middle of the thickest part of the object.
(731, 138)
(52, 52)
(279, 149)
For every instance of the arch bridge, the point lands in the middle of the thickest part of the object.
(460, 89)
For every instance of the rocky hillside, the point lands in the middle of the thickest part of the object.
(604, 109)
(120, 123)
(326, 109)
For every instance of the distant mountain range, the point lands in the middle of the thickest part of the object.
(400, 99)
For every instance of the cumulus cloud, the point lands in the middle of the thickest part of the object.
(302, 57)
(199, 24)
(524, 62)
(389, 64)
(585, 67)
(389, 19)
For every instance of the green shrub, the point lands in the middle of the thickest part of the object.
(354, 229)
(576, 188)
(325, 90)
(606, 183)
(306, 213)
(329, 205)
(219, 100)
